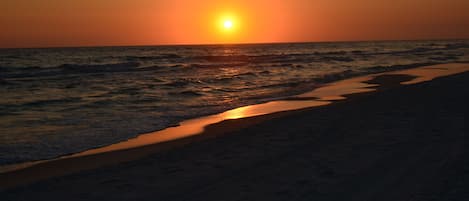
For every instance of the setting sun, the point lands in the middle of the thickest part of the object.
(228, 24)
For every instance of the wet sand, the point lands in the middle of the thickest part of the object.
(398, 143)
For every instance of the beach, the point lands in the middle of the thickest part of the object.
(399, 142)
(62, 101)
(173, 100)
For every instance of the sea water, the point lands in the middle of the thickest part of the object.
(59, 101)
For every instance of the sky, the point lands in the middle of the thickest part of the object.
(52, 23)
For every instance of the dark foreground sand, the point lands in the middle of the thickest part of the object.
(400, 143)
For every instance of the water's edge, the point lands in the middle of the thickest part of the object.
(324, 95)
(57, 102)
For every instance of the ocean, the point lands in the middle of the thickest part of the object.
(59, 101)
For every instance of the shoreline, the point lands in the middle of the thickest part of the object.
(332, 93)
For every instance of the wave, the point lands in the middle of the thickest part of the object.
(218, 65)
(379, 69)
(186, 93)
(181, 82)
(444, 58)
(337, 58)
(331, 53)
(153, 58)
(459, 45)
(419, 50)
(115, 67)
(18, 107)
(72, 69)
(41, 103)
(247, 74)
(230, 58)
(275, 58)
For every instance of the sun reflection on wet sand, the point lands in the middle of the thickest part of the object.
(338, 90)
(196, 126)
(428, 73)
(323, 96)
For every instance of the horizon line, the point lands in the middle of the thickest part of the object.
(242, 43)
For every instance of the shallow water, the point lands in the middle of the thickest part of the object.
(66, 100)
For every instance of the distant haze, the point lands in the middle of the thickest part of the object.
(48, 23)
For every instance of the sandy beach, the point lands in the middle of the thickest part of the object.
(400, 142)
(172, 100)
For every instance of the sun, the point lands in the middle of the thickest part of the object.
(228, 24)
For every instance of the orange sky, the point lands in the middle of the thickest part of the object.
(46, 23)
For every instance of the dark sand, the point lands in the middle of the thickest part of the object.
(399, 143)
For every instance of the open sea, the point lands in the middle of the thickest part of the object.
(59, 101)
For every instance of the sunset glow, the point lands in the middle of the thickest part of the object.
(234, 99)
(150, 22)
